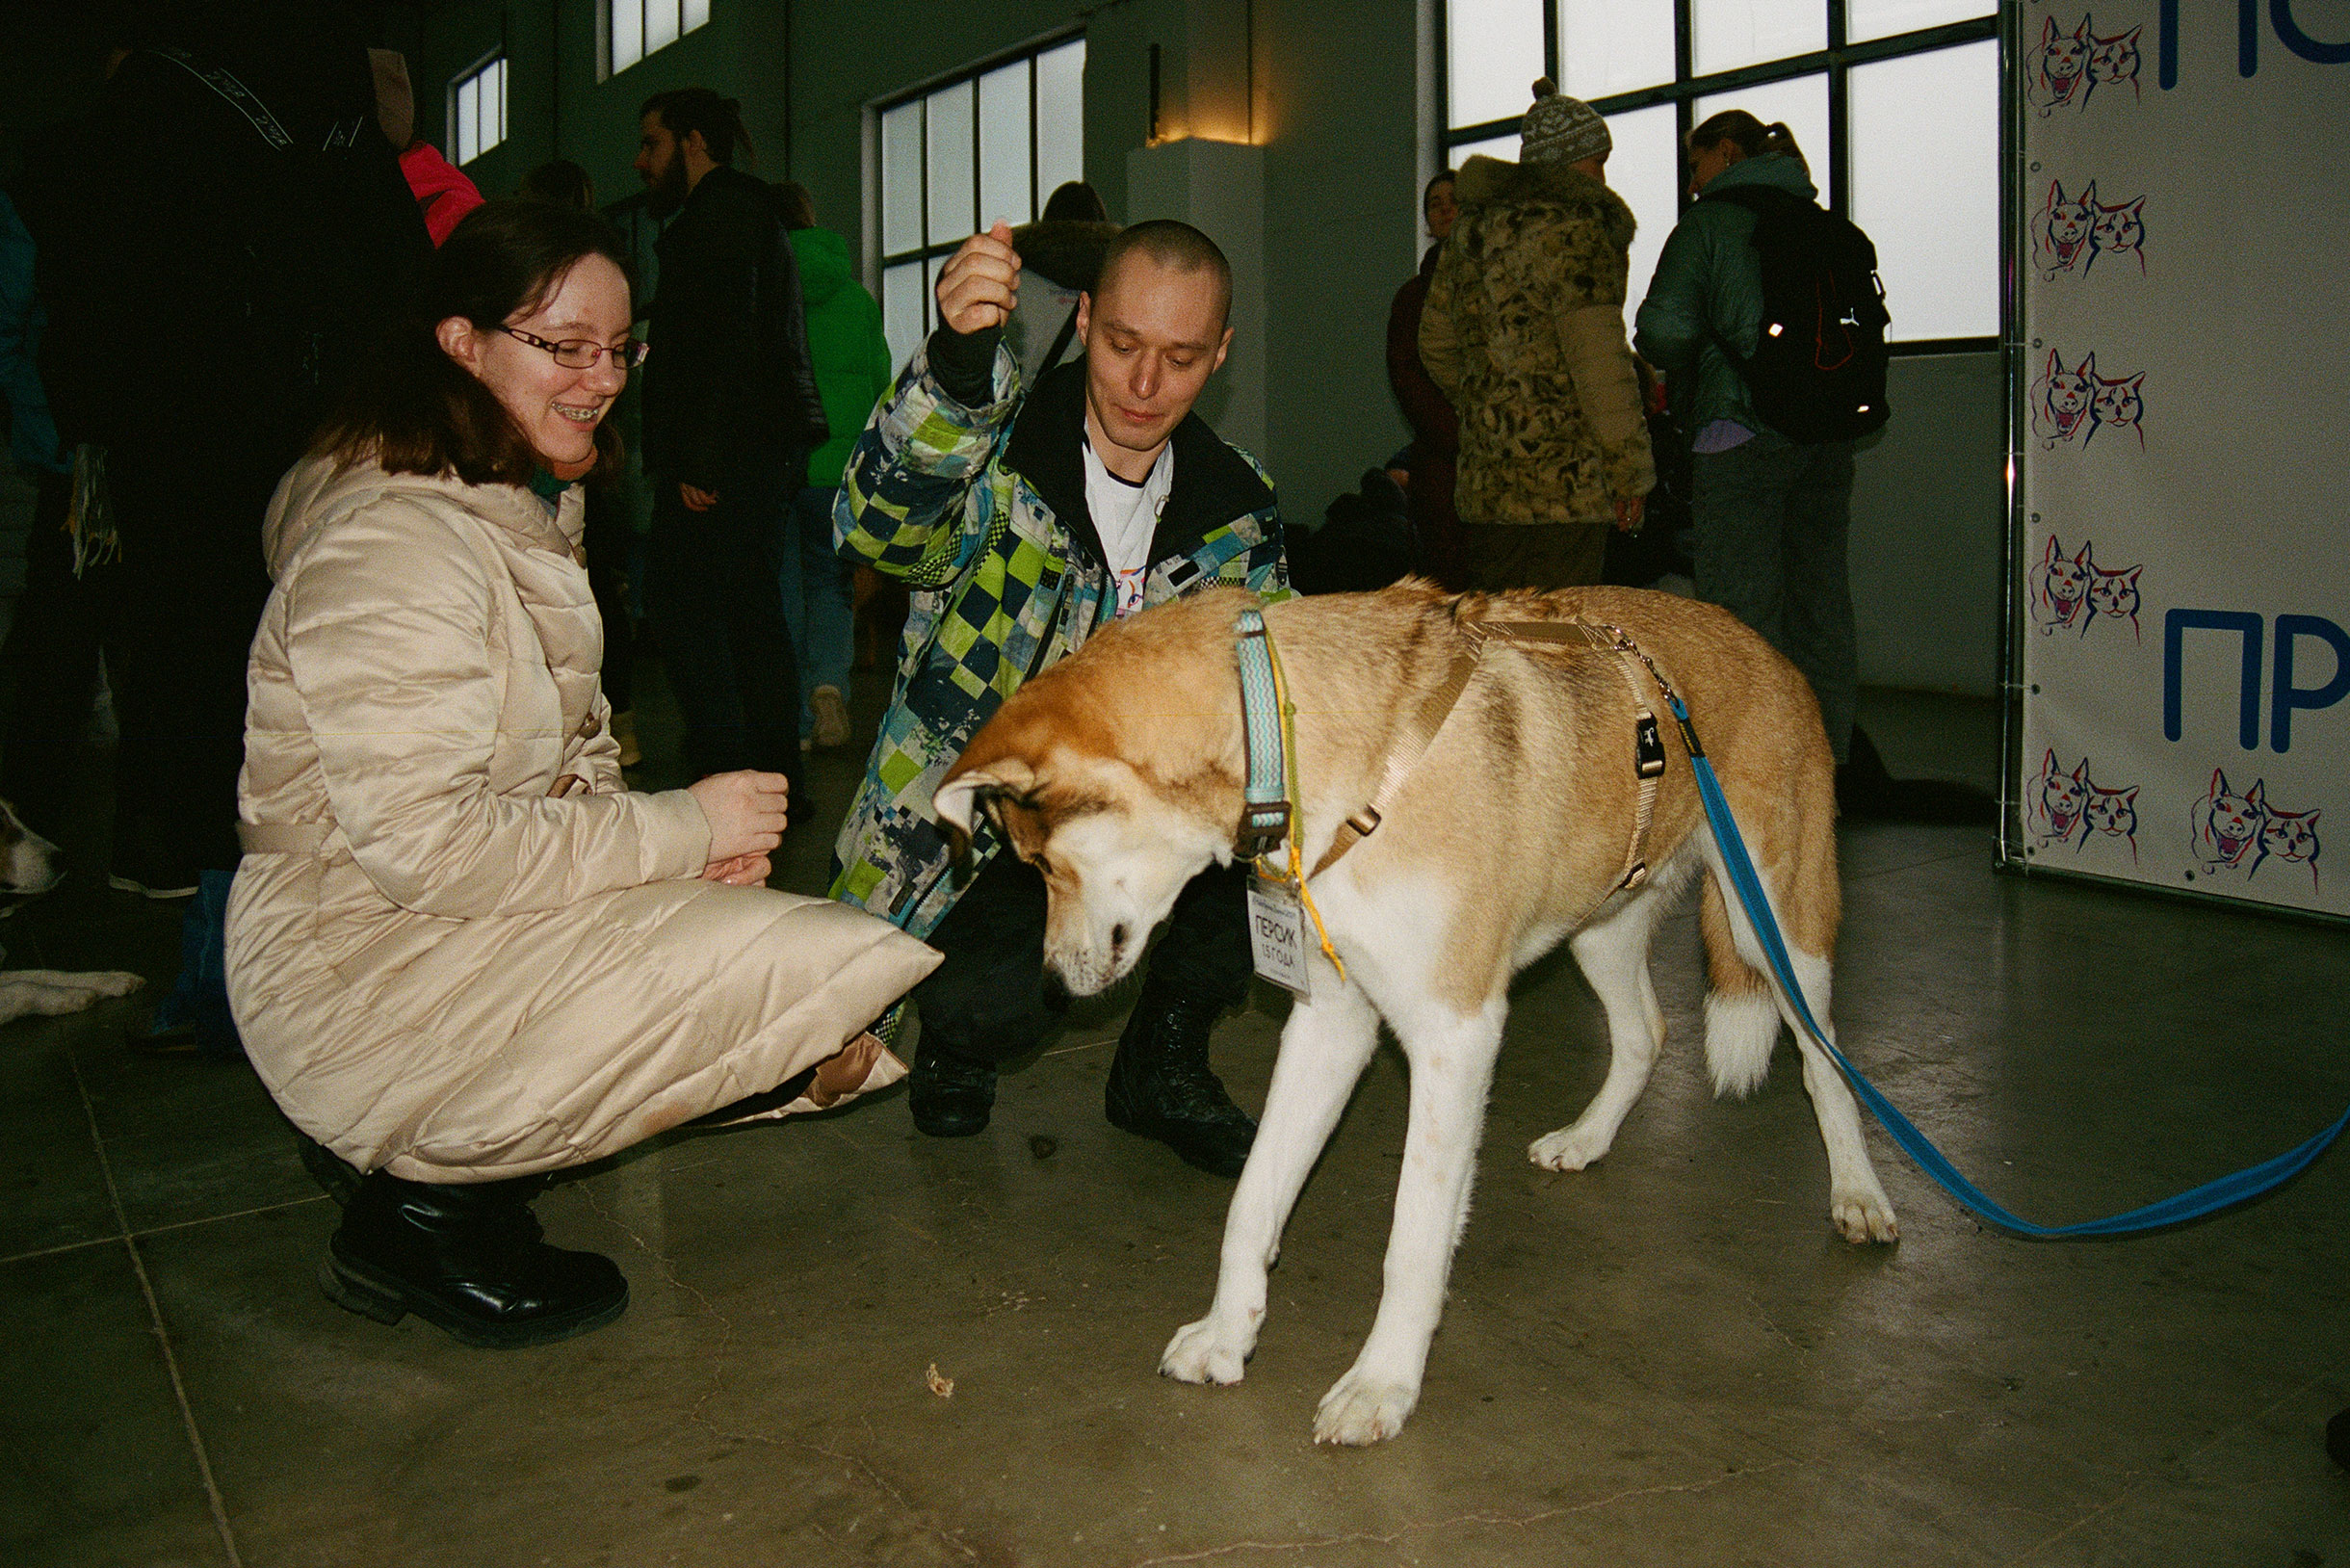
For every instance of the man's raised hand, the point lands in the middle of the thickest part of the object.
(980, 283)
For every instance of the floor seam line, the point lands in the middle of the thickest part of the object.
(156, 1230)
(163, 1334)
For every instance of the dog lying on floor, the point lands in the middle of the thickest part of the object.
(1119, 775)
(28, 868)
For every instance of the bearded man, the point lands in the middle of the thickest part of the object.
(1024, 519)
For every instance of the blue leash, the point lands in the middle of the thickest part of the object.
(2208, 1199)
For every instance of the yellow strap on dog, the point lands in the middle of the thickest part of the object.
(1289, 789)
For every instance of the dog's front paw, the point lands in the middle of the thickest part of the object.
(1570, 1148)
(1361, 1409)
(1202, 1352)
(111, 982)
(1864, 1215)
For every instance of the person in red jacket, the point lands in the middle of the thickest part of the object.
(1436, 528)
(443, 193)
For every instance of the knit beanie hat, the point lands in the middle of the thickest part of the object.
(1561, 130)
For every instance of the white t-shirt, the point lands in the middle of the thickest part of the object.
(1126, 515)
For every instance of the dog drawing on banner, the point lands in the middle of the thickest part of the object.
(1119, 772)
(2060, 588)
(2062, 400)
(2056, 810)
(2227, 826)
(2060, 67)
(2065, 229)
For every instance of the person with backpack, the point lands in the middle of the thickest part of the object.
(1766, 319)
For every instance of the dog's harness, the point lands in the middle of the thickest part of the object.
(1267, 810)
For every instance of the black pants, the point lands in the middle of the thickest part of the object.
(991, 1000)
(606, 547)
(716, 606)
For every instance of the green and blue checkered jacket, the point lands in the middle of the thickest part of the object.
(981, 511)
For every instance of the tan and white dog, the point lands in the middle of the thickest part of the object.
(28, 868)
(1119, 775)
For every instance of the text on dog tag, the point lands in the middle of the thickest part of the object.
(1277, 932)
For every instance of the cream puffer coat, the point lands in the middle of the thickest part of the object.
(459, 947)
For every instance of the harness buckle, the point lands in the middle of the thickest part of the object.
(1365, 821)
(1263, 828)
(1633, 877)
(1648, 745)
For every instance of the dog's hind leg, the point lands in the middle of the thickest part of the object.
(1323, 1049)
(1613, 953)
(1856, 1204)
(1451, 1058)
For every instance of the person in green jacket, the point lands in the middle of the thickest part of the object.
(1772, 514)
(852, 371)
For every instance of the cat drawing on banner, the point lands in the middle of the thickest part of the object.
(2072, 405)
(2056, 807)
(2116, 405)
(2288, 839)
(2070, 594)
(2119, 230)
(2059, 68)
(2110, 813)
(2113, 61)
(2069, 235)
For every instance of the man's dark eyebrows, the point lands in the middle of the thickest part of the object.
(1116, 326)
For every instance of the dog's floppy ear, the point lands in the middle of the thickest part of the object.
(963, 795)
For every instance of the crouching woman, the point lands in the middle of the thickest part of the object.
(461, 952)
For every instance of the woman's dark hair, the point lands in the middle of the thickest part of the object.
(797, 204)
(414, 409)
(1752, 137)
(563, 181)
(1444, 176)
(684, 109)
(1075, 202)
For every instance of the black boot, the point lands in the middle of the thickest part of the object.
(336, 1177)
(467, 1258)
(950, 1095)
(1160, 1086)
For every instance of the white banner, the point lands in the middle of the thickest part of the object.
(2184, 266)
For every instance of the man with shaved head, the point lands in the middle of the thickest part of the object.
(1024, 519)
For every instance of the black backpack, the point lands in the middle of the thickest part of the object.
(1817, 372)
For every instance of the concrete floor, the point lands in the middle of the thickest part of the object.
(1666, 1359)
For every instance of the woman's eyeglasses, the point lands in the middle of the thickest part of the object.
(580, 353)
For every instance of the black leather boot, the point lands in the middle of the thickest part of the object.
(466, 1258)
(950, 1095)
(1160, 1086)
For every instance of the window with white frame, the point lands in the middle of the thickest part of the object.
(635, 28)
(477, 110)
(1895, 104)
(994, 142)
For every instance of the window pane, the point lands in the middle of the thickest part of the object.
(1060, 118)
(901, 310)
(902, 179)
(1865, 19)
(947, 156)
(627, 33)
(1931, 203)
(1503, 148)
(1734, 33)
(494, 105)
(468, 137)
(1493, 52)
(1004, 146)
(1645, 171)
(1609, 47)
(660, 24)
(697, 12)
(1802, 104)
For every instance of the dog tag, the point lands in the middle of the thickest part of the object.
(1277, 932)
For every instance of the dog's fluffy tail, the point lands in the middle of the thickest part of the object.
(1741, 1014)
